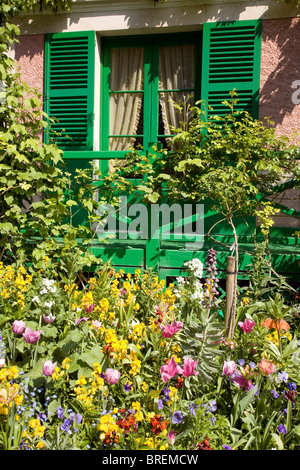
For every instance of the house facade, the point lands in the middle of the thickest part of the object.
(108, 70)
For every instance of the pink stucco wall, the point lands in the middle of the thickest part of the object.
(29, 54)
(280, 68)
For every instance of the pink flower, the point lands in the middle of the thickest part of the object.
(96, 324)
(88, 308)
(31, 336)
(266, 367)
(7, 395)
(48, 367)
(229, 368)
(188, 367)
(48, 318)
(241, 381)
(18, 327)
(169, 370)
(171, 437)
(112, 376)
(170, 330)
(79, 320)
(247, 325)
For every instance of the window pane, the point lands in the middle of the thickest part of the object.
(127, 69)
(177, 67)
(125, 143)
(174, 110)
(177, 73)
(126, 119)
(127, 75)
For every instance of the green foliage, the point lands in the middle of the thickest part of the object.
(39, 199)
(228, 159)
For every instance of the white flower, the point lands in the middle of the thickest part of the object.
(36, 299)
(48, 304)
(48, 286)
(180, 280)
(195, 266)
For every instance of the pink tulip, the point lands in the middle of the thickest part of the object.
(79, 320)
(48, 318)
(31, 336)
(266, 367)
(169, 370)
(241, 381)
(247, 325)
(88, 308)
(169, 330)
(112, 376)
(18, 327)
(48, 367)
(229, 368)
(7, 395)
(171, 437)
(188, 367)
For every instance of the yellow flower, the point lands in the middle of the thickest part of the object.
(40, 445)
(139, 416)
(149, 416)
(136, 405)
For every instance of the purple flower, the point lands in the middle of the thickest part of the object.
(127, 387)
(166, 392)
(283, 376)
(78, 417)
(193, 408)
(275, 394)
(226, 447)
(160, 405)
(292, 386)
(60, 412)
(42, 417)
(212, 406)
(66, 426)
(281, 428)
(177, 417)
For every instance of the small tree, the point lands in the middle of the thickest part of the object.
(232, 160)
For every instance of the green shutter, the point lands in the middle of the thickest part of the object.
(231, 59)
(69, 86)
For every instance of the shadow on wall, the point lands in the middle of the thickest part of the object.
(280, 72)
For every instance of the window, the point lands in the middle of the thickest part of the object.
(139, 77)
(139, 85)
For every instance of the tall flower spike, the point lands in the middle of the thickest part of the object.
(211, 276)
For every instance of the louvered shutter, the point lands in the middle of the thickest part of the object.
(231, 60)
(69, 86)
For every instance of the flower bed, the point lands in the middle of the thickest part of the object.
(125, 362)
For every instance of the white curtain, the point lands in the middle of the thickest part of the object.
(127, 66)
(176, 71)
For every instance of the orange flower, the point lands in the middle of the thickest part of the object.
(276, 324)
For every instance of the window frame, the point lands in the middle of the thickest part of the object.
(151, 44)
